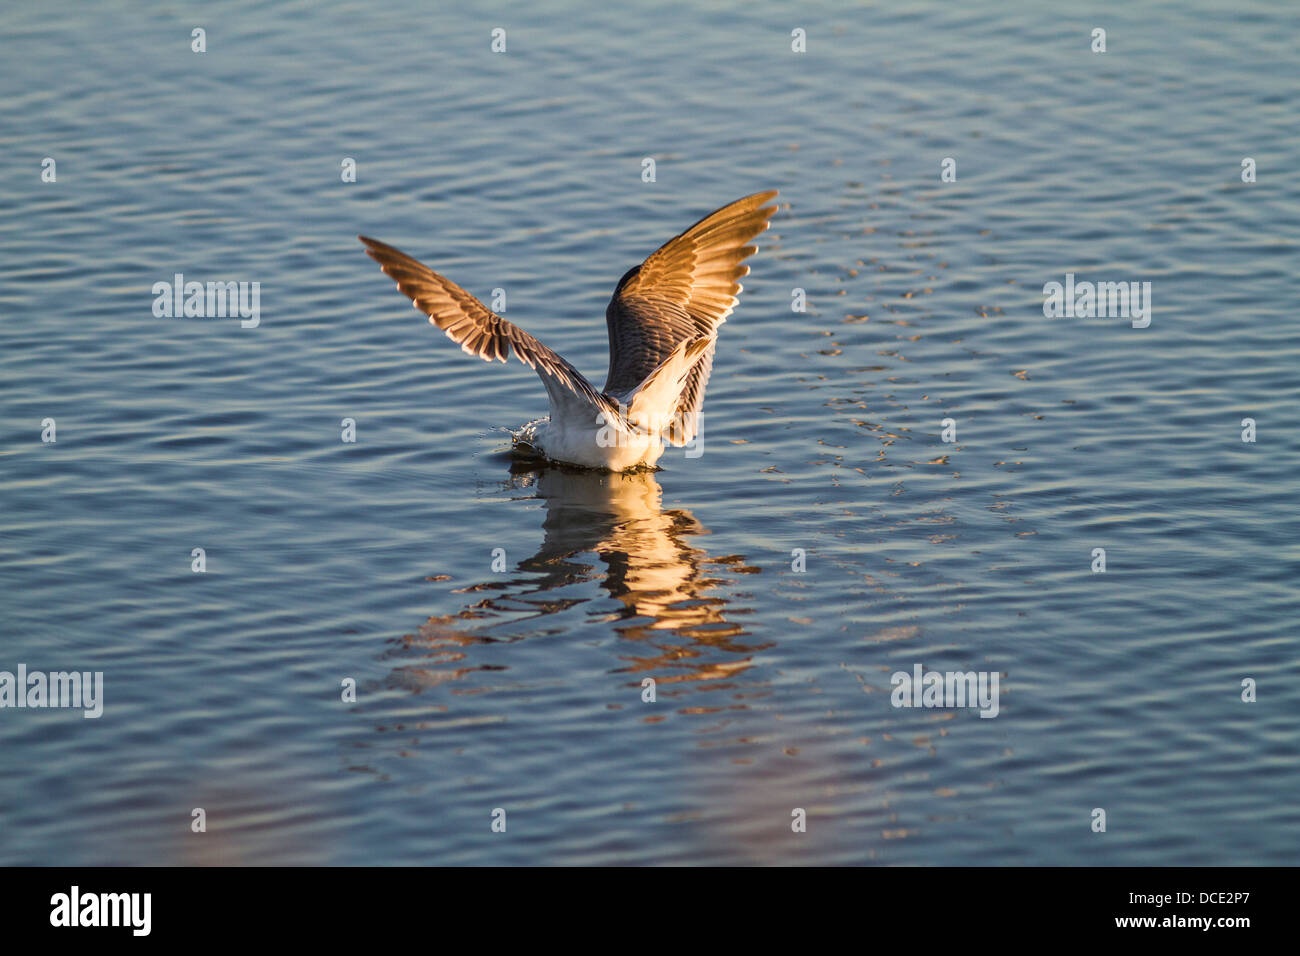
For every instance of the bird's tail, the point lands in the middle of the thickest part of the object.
(651, 404)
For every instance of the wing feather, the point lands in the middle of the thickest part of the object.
(475, 328)
(683, 290)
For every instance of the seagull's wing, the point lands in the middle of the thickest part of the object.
(481, 332)
(685, 289)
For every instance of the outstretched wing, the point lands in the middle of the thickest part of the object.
(477, 329)
(685, 289)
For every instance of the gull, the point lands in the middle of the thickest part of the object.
(663, 324)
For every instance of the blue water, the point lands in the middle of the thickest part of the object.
(521, 689)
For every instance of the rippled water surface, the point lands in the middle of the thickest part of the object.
(521, 688)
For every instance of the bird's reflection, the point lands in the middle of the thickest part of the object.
(611, 528)
(613, 563)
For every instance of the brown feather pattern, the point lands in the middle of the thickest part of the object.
(473, 326)
(686, 288)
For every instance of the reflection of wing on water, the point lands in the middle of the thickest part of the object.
(665, 584)
(649, 567)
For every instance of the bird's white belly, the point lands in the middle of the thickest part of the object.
(589, 445)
